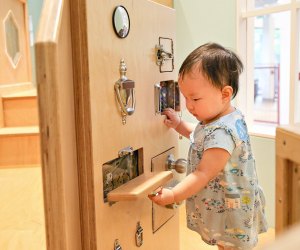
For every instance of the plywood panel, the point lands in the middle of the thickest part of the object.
(282, 193)
(295, 190)
(140, 186)
(57, 126)
(287, 177)
(287, 143)
(100, 133)
(1, 113)
(168, 3)
(20, 111)
(19, 146)
(143, 129)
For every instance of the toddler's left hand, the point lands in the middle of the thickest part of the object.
(164, 197)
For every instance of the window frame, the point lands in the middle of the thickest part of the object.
(244, 99)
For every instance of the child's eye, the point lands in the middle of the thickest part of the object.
(196, 99)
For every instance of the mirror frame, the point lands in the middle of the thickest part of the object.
(113, 21)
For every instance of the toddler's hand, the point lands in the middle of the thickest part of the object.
(172, 119)
(164, 197)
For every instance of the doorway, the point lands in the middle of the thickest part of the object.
(22, 223)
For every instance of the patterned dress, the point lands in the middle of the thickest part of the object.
(229, 211)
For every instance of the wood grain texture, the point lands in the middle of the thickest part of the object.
(82, 108)
(143, 129)
(57, 126)
(1, 113)
(79, 82)
(140, 186)
(19, 146)
(287, 177)
(168, 3)
(20, 111)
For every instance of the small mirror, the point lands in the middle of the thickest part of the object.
(121, 21)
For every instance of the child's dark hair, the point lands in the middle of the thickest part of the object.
(221, 66)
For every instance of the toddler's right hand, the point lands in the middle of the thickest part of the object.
(172, 119)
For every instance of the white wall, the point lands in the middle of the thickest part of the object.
(201, 21)
(264, 152)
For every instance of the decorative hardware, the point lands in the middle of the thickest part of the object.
(121, 21)
(166, 95)
(117, 246)
(119, 171)
(139, 239)
(180, 165)
(125, 151)
(162, 55)
(125, 94)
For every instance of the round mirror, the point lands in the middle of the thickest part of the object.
(121, 21)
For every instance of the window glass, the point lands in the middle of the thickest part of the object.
(297, 82)
(257, 4)
(271, 68)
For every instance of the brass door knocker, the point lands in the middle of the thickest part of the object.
(125, 93)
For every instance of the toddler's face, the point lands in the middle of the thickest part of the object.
(203, 100)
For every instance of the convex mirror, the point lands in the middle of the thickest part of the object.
(121, 21)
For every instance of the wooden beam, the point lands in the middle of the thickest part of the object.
(83, 123)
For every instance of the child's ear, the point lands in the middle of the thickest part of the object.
(227, 93)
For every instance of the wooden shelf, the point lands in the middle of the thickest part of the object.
(140, 186)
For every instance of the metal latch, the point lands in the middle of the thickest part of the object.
(163, 55)
(117, 245)
(125, 151)
(139, 235)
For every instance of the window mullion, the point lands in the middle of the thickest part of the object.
(250, 70)
(293, 63)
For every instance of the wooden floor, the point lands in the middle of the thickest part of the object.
(22, 225)
(190, 240)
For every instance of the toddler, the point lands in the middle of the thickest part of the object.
(224, 201)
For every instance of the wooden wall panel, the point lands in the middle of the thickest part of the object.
(81, 125)
(168, 3)
(143, 129)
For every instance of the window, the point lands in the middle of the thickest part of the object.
(297, 82)
(268, 43)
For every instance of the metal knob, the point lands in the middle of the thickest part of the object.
(179, 165)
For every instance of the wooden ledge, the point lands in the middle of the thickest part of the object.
(21, 94)
(139, 186)
(12, 131)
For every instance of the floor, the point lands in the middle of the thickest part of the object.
(22, 225)
(190, 240)
(21, 214)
